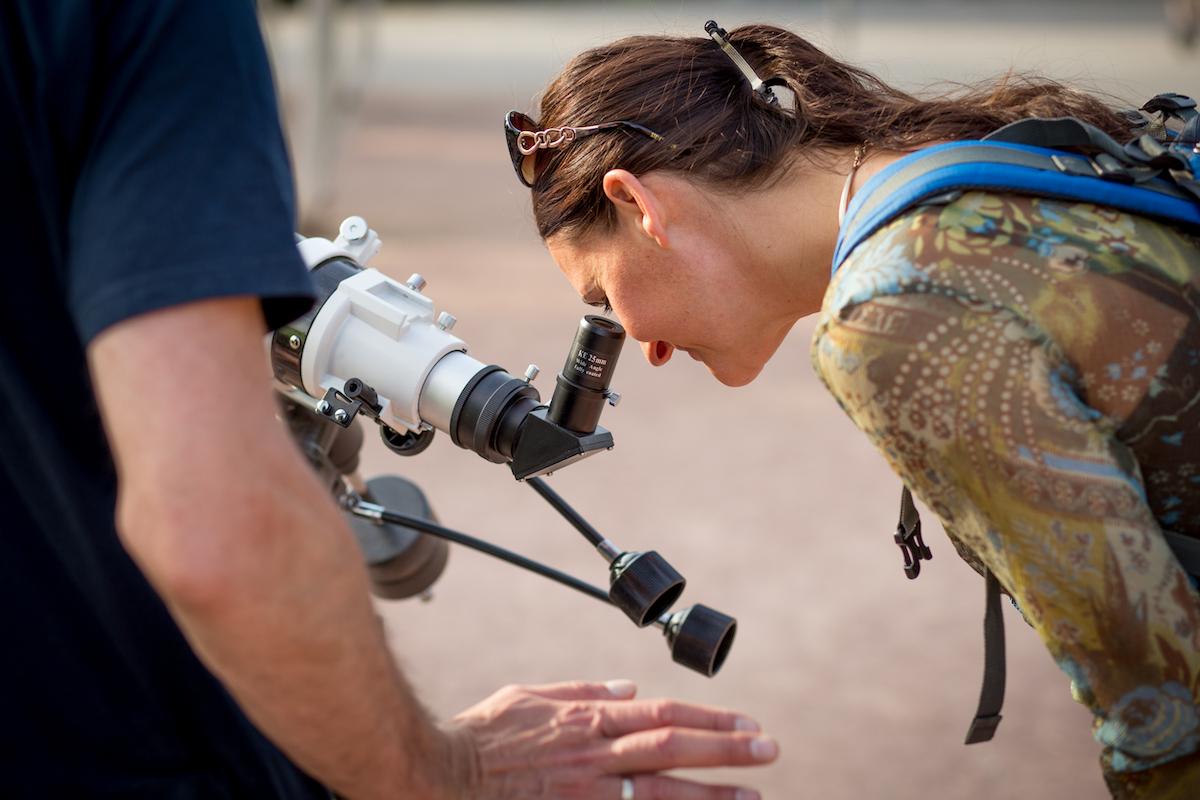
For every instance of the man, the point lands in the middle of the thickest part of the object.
(177, 624)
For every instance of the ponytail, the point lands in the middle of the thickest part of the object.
(718, 130)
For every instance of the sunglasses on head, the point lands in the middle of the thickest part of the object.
(526, 140)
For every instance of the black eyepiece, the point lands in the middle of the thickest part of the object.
(582, 386)
(644, 586)
(700, 638)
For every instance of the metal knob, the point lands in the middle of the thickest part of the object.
(416, 282)
(531, 372)
(446, 320)
(353, 229)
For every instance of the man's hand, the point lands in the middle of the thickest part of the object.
(579, 740)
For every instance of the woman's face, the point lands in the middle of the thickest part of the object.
(678, 277)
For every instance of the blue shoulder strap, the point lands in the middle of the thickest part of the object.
(943, 171)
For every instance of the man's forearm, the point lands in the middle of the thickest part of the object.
(249, 552)
(295, 640)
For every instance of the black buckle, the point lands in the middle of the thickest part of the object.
(1170, 102)
(983, 729)
(1150, 152)
(1075, 165)
(342, 407)
(913, 548)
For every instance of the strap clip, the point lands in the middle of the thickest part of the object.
(912, 547)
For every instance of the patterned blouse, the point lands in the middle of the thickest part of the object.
(1031, 370)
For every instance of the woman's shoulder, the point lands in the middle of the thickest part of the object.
(1015, 253)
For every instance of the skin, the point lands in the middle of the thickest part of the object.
(262, 574)
(721, 276)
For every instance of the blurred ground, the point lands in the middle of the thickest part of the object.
(766, 498)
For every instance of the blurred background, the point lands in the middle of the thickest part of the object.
(766, 498)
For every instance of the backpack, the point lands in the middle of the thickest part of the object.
(1061, 158)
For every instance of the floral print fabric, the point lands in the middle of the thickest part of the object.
(1031, 370)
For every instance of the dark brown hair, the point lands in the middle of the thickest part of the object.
(721, 132)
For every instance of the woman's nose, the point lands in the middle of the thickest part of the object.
(657, 352)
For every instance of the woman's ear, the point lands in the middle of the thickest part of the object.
(635, 202)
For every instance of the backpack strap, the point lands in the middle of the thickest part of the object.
(1058, 133)
(991, 695)
(1186, 550)
(943, 172)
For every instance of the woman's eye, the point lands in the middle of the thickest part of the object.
(601, 303)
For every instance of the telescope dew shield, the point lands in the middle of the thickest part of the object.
(582, 387)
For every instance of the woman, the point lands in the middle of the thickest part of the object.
(1027, 367)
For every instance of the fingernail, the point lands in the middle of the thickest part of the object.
(746, 724)
(622, 687)
(747, 794)
(764, 748)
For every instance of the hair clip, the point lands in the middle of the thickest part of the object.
(760, 88)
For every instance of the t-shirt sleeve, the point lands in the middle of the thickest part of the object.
(184, 189)
(976, 413)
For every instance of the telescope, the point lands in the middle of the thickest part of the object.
(373, 348)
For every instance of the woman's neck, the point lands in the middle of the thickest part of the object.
(792, 227)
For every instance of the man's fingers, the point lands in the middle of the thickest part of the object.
(619, 689)
(662, 787)
(623, 718)
(662, 749)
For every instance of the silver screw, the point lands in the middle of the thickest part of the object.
(425, 596)
(294, 342)
(614, 399)
(353, 228)
(415, 282)
(323, 407)
(446, 321)
(340, 416)
(531, 372)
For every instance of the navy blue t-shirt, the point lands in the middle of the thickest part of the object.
(142, 166)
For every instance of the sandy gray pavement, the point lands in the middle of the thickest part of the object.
(775, 508)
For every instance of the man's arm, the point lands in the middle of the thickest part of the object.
(249, 552)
